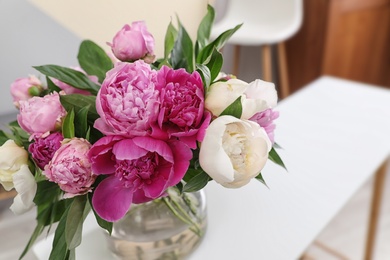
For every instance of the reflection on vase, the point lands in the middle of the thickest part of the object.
(167, 228)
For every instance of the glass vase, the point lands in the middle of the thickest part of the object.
(167, 228)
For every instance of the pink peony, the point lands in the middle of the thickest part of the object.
(182, 105)
(43, 149)
(127, 101)
(266, 120)
(68, 89)
(139, 170)
(23, 89)
(70, 167)
(133, 43)
(40, 115)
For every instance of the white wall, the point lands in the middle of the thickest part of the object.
(29, 37)
(38, 32)
(99, 20)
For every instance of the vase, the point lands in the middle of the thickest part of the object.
(167, 228)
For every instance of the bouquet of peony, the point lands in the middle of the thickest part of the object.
(121, 130)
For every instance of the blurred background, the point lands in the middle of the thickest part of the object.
(343, 38)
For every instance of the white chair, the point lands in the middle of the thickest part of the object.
(265, 22)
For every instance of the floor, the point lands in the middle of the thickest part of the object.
(346, 233)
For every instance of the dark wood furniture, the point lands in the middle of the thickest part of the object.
(343, 38)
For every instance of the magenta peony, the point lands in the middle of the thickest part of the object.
(182, 106)
(127, 101)
(23, 89)
(41, 115)
(43, 149)
(266, 120)
(70, 167)
(140, 170)
(133, 43)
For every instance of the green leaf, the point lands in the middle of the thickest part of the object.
(37, 231)
(72, 254)
(51, 86)
(101, 222)
(51, 213)
(204, 29)
(182, 52)
(19, 135)
(274, 156)
(48, 192)
(205, 74)
(277, 146)
(59, 248)
(69, 76)
(74, 221)
(234, 109)
(179, 187)
(197, 182)
(14, 123)
(261, 179)
(94, 60)
(79, 102)
(216, 44)
(81, 122)
(3, 137)
(68, 125)
(170, 38)
(214, 63)
(88, 134)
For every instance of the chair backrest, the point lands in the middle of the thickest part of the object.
(266, 11)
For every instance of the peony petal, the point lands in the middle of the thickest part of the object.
(100, 155)
(7, 185)
(154, 145)
(203, 127)
(221, 94)
(212, 157)
(128, 150)
(111, 200)
(182, 156)
(260, 89)
(103, 164)
(12, 156)
(139, 197)
(26, 187)
(155, 189)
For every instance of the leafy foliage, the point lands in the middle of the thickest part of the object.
(234, 109)
(94, 60)
(274, 156)
(69, 76)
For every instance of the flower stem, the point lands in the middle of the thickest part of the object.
(180, 213)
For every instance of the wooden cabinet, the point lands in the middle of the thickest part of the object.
(343, 38)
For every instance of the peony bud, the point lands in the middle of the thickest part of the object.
(25, 88)
(70, 167)
(133, 43)
(41, 115)
(234, 151)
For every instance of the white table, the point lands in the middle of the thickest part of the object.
(335, 134)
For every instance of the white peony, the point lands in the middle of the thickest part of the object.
(12, 157)
(14, 173)
(234, 151)
(26, 187)
(256, 96)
